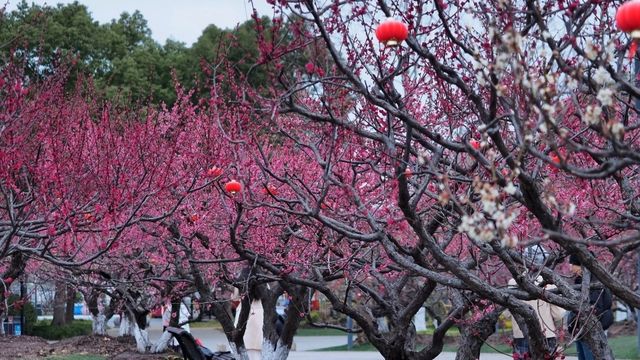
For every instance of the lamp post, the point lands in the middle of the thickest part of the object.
(22, 293)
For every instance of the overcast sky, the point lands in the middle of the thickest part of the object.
(172, 19)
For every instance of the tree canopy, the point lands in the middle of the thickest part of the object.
(121, 56)
(498, 140)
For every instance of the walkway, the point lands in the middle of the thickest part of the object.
(216, 341)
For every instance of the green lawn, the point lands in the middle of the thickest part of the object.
(206, 324)
(320, 332)
(454, 331)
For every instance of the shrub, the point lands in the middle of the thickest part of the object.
(44, 329)
(15, 310)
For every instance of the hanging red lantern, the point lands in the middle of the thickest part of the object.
(233, 187)
(628, 20)
(392, 32)
(475, 144)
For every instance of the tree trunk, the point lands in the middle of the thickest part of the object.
(99, 324)
(238, 353)
(597, 340)
(125, 325)
(59, 305)
(70, 305)
(473, 336)
(142, 338)
(162, 344)
(99, 317)
(280, 352)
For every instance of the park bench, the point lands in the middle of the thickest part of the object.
(192, 351)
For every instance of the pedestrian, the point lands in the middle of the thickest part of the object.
(166, 315)
(548, 316)
(183, 317)
(253, 329)
(601, 301)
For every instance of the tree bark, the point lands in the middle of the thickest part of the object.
(597, 340)
(70, 305)
(59, 305)
(473, 336)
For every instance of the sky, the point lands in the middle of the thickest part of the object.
(171, 19)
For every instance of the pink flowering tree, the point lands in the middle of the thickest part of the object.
(80, 177)
(495, 127)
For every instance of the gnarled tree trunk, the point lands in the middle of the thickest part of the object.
(473, 336)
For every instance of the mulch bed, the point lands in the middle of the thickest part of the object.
(31, 347)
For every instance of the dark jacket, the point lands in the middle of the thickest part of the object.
(601, 301)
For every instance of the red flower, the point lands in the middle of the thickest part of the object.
(214, 172)
(310, 68)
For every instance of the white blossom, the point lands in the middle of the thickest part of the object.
(610, 51)
(602, 77)
(550, 109)
(592, 115)
(543, 127)
(591, 51)
(509, 240)
(528, 138)
(510, 188)
(617, 130)
(605, 96)
(572, 84)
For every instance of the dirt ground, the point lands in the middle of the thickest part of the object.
(30, 347)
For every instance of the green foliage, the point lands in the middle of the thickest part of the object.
(315, 316)
(30, 316)
(126, 63)
(45, 330)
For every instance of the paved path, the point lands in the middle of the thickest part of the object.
(216, 341)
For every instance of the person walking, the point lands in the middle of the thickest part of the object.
(548, 316)
(600, 299)
(166, 315)
(253, 335)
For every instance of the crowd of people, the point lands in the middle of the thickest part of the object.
(552, 318)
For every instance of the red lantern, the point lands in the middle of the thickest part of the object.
(628, 20)
(475, 144)
(233, 187)
(392, 32)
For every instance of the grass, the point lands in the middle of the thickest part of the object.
(207, 324)
(311, 331)
(454, 331)
(320, 332)
(624, 347)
